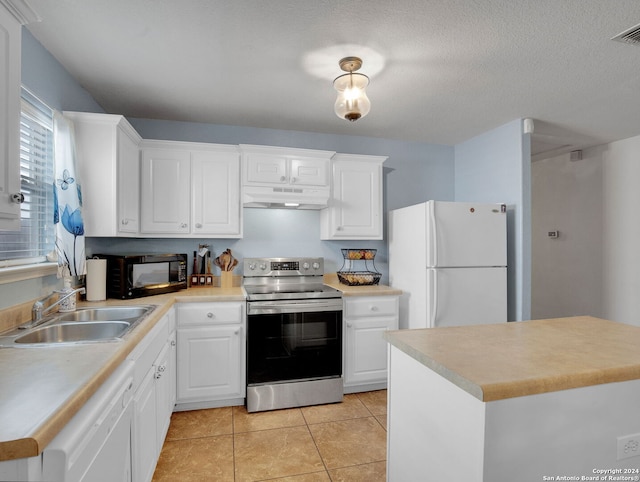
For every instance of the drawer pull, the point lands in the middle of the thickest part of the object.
(209, 315)
(374, 308)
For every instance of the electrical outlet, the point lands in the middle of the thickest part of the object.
(628, 446)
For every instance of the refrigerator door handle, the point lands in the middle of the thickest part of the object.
(433, 312)
(434, 235)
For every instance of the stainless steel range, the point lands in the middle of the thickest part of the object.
(294, 334)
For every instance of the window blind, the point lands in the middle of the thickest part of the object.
(36, 237)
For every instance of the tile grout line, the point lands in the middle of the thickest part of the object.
(326, 469)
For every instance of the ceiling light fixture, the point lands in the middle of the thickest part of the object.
(352, 102)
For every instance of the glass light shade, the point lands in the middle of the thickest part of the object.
(352, 102)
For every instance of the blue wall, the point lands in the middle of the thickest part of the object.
(496, 167)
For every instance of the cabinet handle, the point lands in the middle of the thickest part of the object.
(173, 343)
(374, 308)
(237, 331)
(125, 222)
(293, 179)
(17, 198)
(339, 228)
(283, 179)
(349, 325)
(183, 225)
(198, 225)
(210, 315)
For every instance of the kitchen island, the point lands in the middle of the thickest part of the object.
(527, 401)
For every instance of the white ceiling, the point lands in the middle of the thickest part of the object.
(442, 71)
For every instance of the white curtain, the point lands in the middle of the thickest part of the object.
(67, 196)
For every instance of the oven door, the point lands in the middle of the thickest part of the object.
(293, 340)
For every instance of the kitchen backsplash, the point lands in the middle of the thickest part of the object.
(267, 233)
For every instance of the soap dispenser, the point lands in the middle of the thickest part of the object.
(68, 304)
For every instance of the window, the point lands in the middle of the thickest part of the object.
(36, 237)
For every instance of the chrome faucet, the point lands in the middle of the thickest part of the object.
(38, 309)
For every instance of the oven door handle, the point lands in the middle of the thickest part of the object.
(277, 307)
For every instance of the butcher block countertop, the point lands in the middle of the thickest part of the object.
(506, 360)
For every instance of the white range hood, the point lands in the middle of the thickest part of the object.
(286, 197)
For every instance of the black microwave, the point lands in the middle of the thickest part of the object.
(138, 275)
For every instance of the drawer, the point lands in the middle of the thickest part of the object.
(208, 313)
(371, 306)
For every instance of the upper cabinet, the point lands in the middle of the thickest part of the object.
(283, 166)
(108, 153)
(13, 14)
(355, 208)
(190, 190)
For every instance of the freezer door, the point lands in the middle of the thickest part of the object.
(466, 296)
(466, 234)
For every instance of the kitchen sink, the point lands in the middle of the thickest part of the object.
(70, 332)
(103, 314)
(85, 325)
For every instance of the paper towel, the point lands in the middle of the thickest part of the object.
(96, 279)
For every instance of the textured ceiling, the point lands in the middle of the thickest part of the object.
(441, 71)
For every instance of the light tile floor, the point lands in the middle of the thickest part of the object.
(337, 442)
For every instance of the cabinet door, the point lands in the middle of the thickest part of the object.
(366, 350)
(215, 193)
(266, 168)
(164, 404)
(210, 363)
(144, 430)
(309, 172)
(128, 184)
(10, 39)
(356, 204)
(165, 185)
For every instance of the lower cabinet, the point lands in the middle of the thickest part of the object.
(366, 318)
(155, 395)
(211, 355)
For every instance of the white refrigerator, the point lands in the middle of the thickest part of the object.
(450, 261)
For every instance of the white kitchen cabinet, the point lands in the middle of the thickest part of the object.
(13, 14)
(190, 190)
(215, 193)
(108, 153)
(144, 429)
(278, 166)
(154, 399)
(366, 318)
(355, 207)
(211, 355)
(164, 188)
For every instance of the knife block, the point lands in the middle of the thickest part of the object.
(226, 279)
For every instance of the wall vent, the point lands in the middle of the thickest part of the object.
(630, 36)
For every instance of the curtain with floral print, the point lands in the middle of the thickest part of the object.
(67, 201)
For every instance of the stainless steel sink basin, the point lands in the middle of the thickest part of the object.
(70, 332)
(104, 314)
(86, 325)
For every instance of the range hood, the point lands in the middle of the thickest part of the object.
(286, 197)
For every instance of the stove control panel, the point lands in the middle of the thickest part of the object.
(276, 267)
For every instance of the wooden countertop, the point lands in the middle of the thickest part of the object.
(495, 362)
